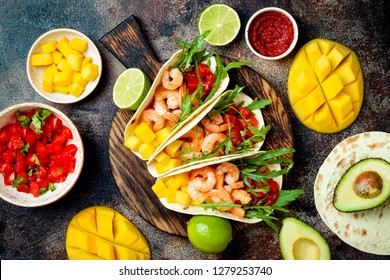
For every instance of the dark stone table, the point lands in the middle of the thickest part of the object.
(39, 233)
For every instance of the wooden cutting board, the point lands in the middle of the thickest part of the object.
(127, 43)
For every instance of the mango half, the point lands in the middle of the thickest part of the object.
(101, 233)
(325, 86)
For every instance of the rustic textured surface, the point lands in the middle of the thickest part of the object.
(361, 25)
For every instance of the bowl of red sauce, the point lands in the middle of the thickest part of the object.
(271, 33)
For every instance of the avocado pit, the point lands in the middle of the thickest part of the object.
(368, 184)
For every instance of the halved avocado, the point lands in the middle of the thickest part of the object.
(299, 241)
(365, 185)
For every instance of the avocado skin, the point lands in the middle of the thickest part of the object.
(294, 230)
(346, 200)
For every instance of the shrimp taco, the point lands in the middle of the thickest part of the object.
(367, 229)
(230, 127)
(185, 85)
(245, 189)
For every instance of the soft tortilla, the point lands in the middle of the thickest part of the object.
(242, 98)
(134, 121)
(369, 230)
(198, 210)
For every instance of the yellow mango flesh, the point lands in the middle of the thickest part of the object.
(102, 233)
(325, 86)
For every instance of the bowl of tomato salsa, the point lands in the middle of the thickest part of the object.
(41, 154)
(271, 33)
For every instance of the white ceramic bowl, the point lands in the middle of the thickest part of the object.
(10, 194)
(295, 30)
(35, 72)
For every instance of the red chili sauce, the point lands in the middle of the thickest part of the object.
(271, 33)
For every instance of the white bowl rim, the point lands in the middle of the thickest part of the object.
(35, 202)
(295, 28)
(49, 96)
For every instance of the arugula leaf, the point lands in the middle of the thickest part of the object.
(38, 118)
(258, 104)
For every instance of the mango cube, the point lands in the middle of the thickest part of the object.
(47, 82)
(61, 89)
(78, 79)
(183, 198)
(173, 163)
(332, 86)
(163, 134)
(322, 68)
(171, 183)
(90, 72)
(56, 56)
(146, 150)
(49, 47)
(63, 65)
(41, 59)
(86, 60)
(78, 44)
(173, 149)
(162, 157)
(75, 89)
(159, 188)
(62, 78)
(160, 167)
(170, 195)
(133, 143)
(182, 179)
(63, 47)
(144, 132)
(74, 61)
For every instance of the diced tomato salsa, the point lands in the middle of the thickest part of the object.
(35, 152)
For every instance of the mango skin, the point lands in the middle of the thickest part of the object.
(325, 86)
(101, 233)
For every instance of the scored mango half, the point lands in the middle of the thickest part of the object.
(101, 233)
(325, 86)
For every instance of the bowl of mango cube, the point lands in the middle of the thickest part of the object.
(64, 66)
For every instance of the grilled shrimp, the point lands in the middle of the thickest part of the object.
(172, 79)
(201, 182)
(193, 139)
(227, 172)
(211, 141)
(152, 119)
(215, 124)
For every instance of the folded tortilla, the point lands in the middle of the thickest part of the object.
(368, 230)
(134, 121)
(242, 99)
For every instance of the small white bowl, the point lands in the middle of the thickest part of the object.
(295, 30)
(10, 194)
(35, 72)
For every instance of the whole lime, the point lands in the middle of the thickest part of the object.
(209, 234)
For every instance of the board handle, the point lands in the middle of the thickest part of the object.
(128, 44)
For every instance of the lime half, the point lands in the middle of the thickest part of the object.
(130, 89)
(223, 23)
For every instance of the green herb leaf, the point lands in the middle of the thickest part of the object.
(52, 187)
(38, 119)
(258, 104)
(24, 120)
(36, 160)
(17, 181)
(24, 149)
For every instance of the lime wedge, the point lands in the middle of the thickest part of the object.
(130, 89)
(223, 23)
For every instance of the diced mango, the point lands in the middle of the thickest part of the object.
(173, 163)
(90, 72)
(75, 89)
(163, 134)
(86, 60)
(323, 117)
(306, 81)
(41, 59)
(159, 188)
(183, 198)
(144, 132)
(170, 195)
(63, 78)
(61, 89)
(322, 68)
(313, 52)
(63, 65)
(63, 47)
(133, 143)
(47, 82)
(78, 44)
(337, 54)
(56, 56)
(162, 157)
(348, 70)
(171, 183)
(49, 47)
(78, 79)
(52, 69)
(160, 167)
(173, 149)
(146, 150)
(182, 179)
(155, 143)
(74, 61)
(340, 106)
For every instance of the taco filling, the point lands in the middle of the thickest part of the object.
(229, 128)
(190, 80)
(245, 188)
